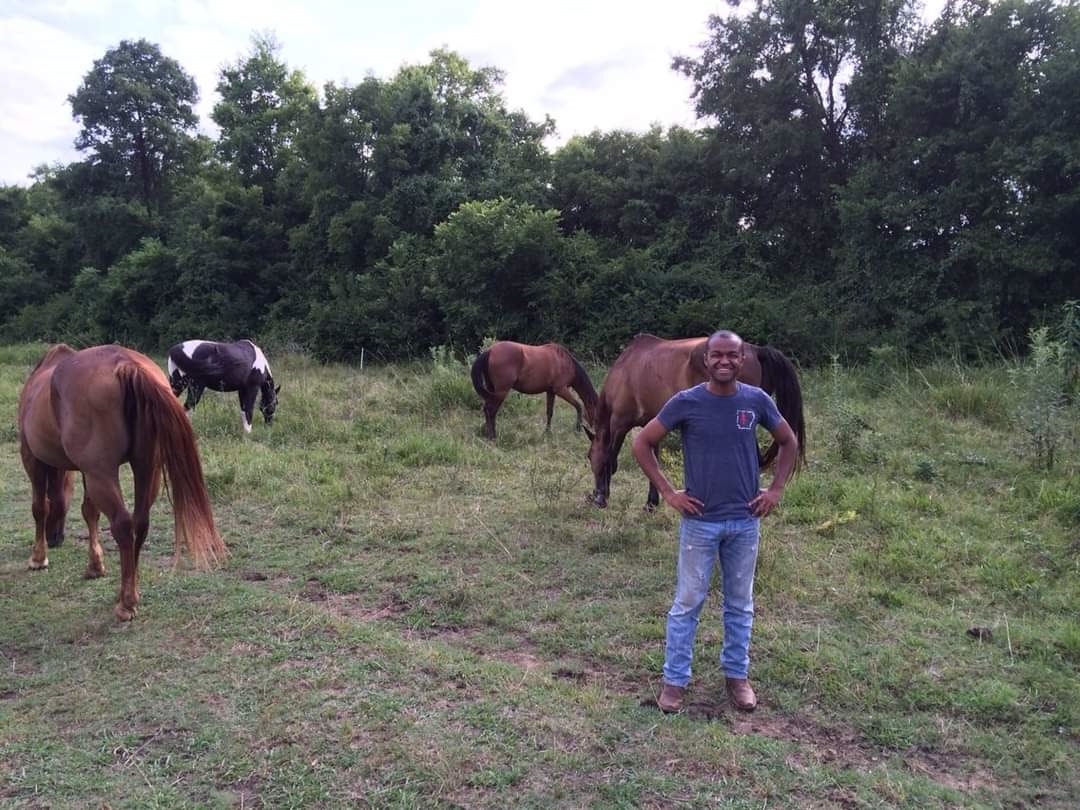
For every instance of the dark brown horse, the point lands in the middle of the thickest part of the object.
(549, 369)
(651, 370)
(93, 411)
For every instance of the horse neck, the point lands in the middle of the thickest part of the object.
(584, 388)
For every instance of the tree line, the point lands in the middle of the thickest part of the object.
(862, 179)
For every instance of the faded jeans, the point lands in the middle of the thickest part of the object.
(735, 543)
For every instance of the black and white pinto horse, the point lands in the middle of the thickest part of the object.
(200, 364)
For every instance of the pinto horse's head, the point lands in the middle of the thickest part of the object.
(268, 399)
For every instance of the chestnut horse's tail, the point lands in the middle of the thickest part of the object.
(480, 379)
(159, 426)
(778, 375)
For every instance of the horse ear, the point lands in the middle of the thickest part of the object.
(276, 390)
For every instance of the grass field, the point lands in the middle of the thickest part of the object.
(412, 617)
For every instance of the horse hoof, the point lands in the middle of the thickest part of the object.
(55, 541)
(124, 614)
(39, 566)
(93, 573)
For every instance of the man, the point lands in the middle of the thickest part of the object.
(721, 508)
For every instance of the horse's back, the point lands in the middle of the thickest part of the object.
(223, 366)
(648, 373)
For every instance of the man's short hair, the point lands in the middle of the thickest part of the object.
(723, 333)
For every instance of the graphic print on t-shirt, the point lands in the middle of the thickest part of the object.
(744, 419)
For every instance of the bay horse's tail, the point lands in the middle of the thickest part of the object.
(159, 426)
(480, 379)
(779, 376)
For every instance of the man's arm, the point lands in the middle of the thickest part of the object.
(787, 451)
(645, 447)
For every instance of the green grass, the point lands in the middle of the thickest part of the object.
(414, 617)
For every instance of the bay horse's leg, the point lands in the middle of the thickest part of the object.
(95, 564)
(492, 403)
(564, 393)
(652, 500)
(61, 483)
(104, 491)
(610, 465)
(550, 410)
(247, 405)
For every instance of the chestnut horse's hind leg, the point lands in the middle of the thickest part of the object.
(147, 485)
(38, 474)
(61, 483)
(104, 490)
(95, 563)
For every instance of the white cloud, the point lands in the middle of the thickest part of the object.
(42, 66)
(590, 64)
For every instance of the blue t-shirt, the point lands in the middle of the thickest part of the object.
(719, 442)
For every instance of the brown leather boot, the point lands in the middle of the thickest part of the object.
(740, 694)
(671, 698)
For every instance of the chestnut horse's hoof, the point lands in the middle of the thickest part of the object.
(93, 573)
(124, 614)
(34, 565)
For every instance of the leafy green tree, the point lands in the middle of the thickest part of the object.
(262, 106)
(772, 82)
(962, 231)
(488, 258)
(136, 110)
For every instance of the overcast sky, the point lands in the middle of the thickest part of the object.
(589, 64)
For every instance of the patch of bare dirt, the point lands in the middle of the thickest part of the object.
(840, 745)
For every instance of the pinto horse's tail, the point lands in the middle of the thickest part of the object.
(779, 376)
(159, 426)
(480, 379)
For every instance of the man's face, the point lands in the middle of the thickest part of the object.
(723, 359)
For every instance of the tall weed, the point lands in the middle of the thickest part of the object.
(1041, 402)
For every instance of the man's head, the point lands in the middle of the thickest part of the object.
(723, 357)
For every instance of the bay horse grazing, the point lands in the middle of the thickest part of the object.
(549, 369)
(93, 411)
(241, 366)
(651, 370)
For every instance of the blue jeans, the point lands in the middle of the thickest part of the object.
(701, 542)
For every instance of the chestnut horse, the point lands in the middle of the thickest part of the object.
(651, 370)
(93, 411)
(549, 369)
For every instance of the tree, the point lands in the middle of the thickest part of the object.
(774, 83)
(136, 109)
(262, 106)
(965, 228)
(488, 258)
